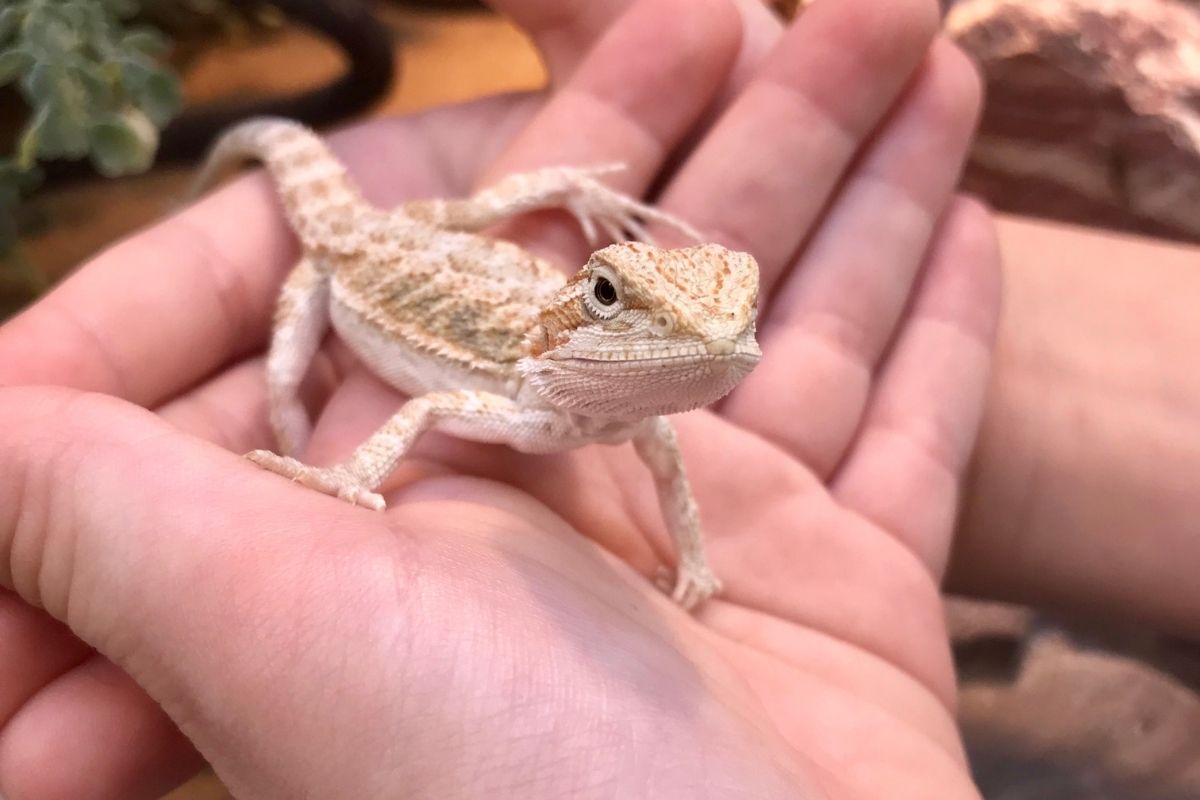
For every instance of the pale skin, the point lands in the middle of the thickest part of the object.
(1068, 513)
(447, 647)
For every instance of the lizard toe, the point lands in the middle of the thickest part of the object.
(694, 585)
(360, 496)
(281, 465)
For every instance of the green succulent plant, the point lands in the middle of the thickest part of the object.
(94, 86)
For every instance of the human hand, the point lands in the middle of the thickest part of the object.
(471, 641)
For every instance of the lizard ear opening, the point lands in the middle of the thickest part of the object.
(603, 298)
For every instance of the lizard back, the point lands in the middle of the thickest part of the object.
(431, 309)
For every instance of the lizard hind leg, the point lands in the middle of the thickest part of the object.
(301, 319)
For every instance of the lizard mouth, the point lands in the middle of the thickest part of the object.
(743, 355)
(742, 350)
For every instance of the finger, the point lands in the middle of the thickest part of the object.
(613, 109)
(93, 733)
(454, 145)
(229, 410)
(832, 318)
(564, 32)
(36, 650)
(232, 410)
(785, 551)
(761, 30)
(906, 466)
(58, 439)
(148, 542)
(194, 285)
(763, 176)
(152, 542)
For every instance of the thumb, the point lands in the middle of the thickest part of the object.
(180, 562)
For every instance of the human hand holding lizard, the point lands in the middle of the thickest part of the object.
(470, 642)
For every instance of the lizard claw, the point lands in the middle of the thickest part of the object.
(690, 587)
(588, 225)
(670, 220)
(334, 481)
(607, 168)
(594, 204)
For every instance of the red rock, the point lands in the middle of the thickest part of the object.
(1118, 720)
(1093, 110)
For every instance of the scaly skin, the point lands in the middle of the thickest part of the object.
(487, 338)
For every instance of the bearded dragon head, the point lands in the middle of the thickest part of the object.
(642, 331)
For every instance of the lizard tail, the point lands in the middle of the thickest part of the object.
(312, 184)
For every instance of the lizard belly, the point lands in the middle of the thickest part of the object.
(412, 369)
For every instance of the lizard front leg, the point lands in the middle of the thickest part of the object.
(475, 415)
(574, 189)
(658, 447)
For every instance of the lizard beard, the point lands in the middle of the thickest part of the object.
(631, 390)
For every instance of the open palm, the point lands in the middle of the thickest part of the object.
(470, 641)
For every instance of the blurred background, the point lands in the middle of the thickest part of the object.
(1092, 124)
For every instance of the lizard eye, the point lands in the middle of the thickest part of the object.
(602, 295)
(605, 292)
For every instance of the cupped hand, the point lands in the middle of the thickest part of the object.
(474, 640)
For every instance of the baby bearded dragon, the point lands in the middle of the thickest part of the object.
(491, 342)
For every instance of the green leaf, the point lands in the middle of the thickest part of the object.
(95, 25)
(117, 149)
(120, 8)
(10, 190)
(27, 145)
(160, 97)
(76, 16)
(13, 62)
(146, 41)
(48, 33)
(134, 74)
(97, 87)
(10, 19)
(58, 133)
(37, 84)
